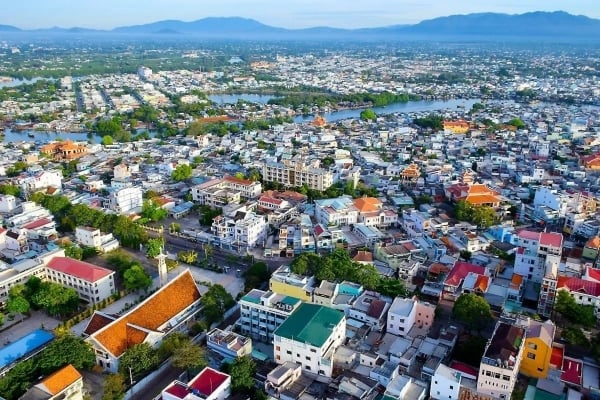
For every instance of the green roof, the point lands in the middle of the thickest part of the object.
(292, 301)
(252, 299)
(310, 323)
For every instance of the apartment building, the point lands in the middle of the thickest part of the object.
(297, 173)
(310, 337)
(242, 230)
(538, 348)
(538, 254)
(125, 200)
(228, 190)
(337, 212)
(501, 360)
(285, 282)
(404, 314)
(371, 309)
(261, 313)
(92, 237)
(228, 345)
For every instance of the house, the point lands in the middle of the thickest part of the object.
(476, 194)
(371, 213)
(538, 255)
(310, 337)
(501, 360)
(8, 203)
(538, 349)
(447, 382)
(228, 190)
(50, 180)
(209, 384)
(66, 383)
(125, 200)
(228, 345)
(457, 127)
(170, 309)
(280, 379)
(92, 237)
(371, 309)
(285, 282)
(92, 283)
(404, 314)
(453, 284)
(339, 211)
(64, 151)
(244, 229)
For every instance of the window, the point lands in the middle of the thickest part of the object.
(532, 346)
(277, 348)
(308, 358)
(289, 352)
(531, 355)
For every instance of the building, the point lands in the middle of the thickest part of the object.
(228, 190)
(285, 282)
(64, 151)
(297, 173)
(92, 237)
(121, 172)
(261, 313)
(371, 309)
(538, 349)
(538, 255)
(172, 308)
(372, 214)
(310, 337)
(228, 345)
(92, 283)
(64, 384)
(454, 282)
(404, 314)
(337, 212)
(209, 384)
(458, 127)
(144, 73)
(475, 194)
(242, 230)
(501, 360)
(50, 181)
(8, 203)
(125, 200)
(447, 382)
(281, 378)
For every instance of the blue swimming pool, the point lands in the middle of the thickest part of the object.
(23, 346)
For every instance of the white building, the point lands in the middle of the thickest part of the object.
(121, 172)
(371, 309)
(125, 200)
(338, 211)
(209, 384)
(144, 73)
(41, 181)
(403, 314)
(7, 203)
(92, 283)
(244, 229)
(66, 383)
(415, 223)
(310, 337)
(92, 237)
(538, 255)
(447, 382)
(229, 190)
(297, 173)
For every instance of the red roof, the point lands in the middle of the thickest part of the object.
(460, 271)
(579, 285)
(551, 239)
(571, 371)
(465, 368)
(556, 358)
(207, 381)
(79, 269)
(529, 235)
(178, 390)
(593, 273)
(37, 223)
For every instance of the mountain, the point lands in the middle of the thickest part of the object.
(207, 26)
(9, 28)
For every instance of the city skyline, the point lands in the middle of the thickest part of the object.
(33, 14)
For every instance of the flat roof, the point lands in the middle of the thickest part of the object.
(310, 323)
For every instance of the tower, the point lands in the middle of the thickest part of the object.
(162, 268)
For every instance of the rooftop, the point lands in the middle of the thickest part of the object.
(310, 323)
(79, 269)
(60, 380)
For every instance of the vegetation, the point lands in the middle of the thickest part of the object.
(183, 352)
(256, 276)
(575, 313)
(113, 387)
(182, 173)
(207, 214)
(10, 189)
(321, 99)
(138, 360)
(472, 310)
(483, 216)
(432, 121)
(242, 372)
(368, 115)
(154, 247)
(188, 257)
(136, 277)
(215, 302)
(152, 210)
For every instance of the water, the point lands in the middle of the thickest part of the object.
(23, 346)
(42, 136)
(17, 82)
(233, 98)
(411, 106)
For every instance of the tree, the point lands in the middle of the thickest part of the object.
(215, 302)
(472, 310)
(74, 251)
(576, 313)
(18, 305)
(189, 356)
(175, 227)
(181, 173)
(465, 255)
(517, 123)
(135, 277)
(10, 189)
(67, 349)
(368, 115)
(483, 216)
(463, 210)
(153, 247)
(140, 358)
(242, 372)
(113, 387)
(55, 299)
(153, 211)
(256, 275)
(107, 140)
(188, 257)
(208, 250)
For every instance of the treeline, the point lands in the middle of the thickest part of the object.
(350, 100)
(69, 216)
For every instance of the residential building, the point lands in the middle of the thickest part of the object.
(475, 194)
(404, 314)
(50, 181)
(310, 337)
(64, 384)
(538, 255)
(242, 230)
(64, 151)
(538, 348)
(8, 203)
(92, 283)
(261, 313)
(209, 384)
(458, 127)
(297, 173)
(92, 237)
(447, 382)
(126, 200)
(285, 282)
(416, 223)
(171, 309)
(501, 360)
(371, 309)
(121, 172)
(336, 212)
(228, 345)
(228, 190)
(454, 282)
(281, 378)
(371, 213)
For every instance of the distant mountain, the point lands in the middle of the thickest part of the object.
(555, 25)
(9, 28)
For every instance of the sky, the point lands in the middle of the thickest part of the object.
(107, 14)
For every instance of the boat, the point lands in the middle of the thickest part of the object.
(31, 135)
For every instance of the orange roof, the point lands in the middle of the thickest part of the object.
(150, 315)
(366, 204)
(60, 380)
(482, 283)
(363, 256)
(478, 188)
(482, 199)
(593, 243)
(516, 281)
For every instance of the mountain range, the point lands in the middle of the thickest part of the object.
(540, 24)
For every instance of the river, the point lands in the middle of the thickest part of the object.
(233, 98)
(17, 82)
(42, 136)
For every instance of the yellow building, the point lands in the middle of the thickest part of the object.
(538, 349)
(285, 282)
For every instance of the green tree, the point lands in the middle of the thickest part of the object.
(465, 255)
(64, 350)
(517, 123)
(174, 227)
(368, 115)
(181, 173)
(472, 310)
(188, 257)
(55, 299)
(242, 372)
(256, 275)
(107, 140)
(74, 251)
(215, 302)
(391, 288)
(576, 313)
(140, 358)
(12, 190)
(135, 277)
(483, 216)
(113, 387)
(152, 210)
(189, 356)
(18, 305)
(153, 247)
(172, 342)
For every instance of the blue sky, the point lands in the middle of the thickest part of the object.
(105, 14)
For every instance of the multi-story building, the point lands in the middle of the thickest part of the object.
(371, 213)
(173, 308)
(261, 313)
(42, 180)
(338, 211)
(501, 360)
(448, 383)
(416, 223)
(209, 384)
(66, 150)
(125, 200)
(228, 345)
(296, 236)
(242, 230)
(297, 173)
(310, 337)
(371, 309)
(538, 348)
(538, 255)
(285, 282)
(228, 190)
(64, 384)
(404, 314)
(8, 203)
(92, 237)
